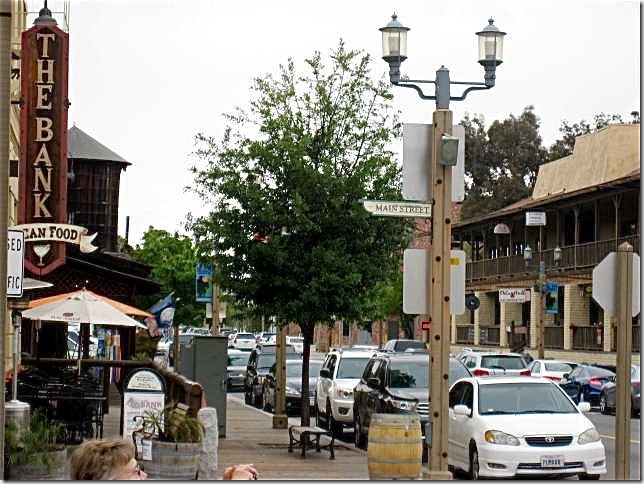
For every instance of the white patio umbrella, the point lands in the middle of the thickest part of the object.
(81, 307)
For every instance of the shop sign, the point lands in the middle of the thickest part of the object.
(71, 234)
(43, 140)
(513, 294)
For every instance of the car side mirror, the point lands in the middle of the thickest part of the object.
(373, 382)
(584, 407)
(325, 373)
(612, 378)
(565, 376)
(462, 410)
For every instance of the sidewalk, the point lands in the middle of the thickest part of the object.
(251, 438)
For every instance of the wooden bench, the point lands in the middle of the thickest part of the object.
(309, 438)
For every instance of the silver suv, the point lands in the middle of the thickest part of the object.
(341, 371)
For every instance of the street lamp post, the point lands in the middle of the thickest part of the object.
(443, 157)
(541, 287)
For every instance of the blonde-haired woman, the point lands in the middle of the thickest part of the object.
(106, 460)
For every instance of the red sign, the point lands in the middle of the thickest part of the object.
(43, 140)
(425, 325)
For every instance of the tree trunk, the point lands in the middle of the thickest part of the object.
(307, 332)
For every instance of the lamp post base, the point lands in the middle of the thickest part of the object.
(280, 422)
(428, 474)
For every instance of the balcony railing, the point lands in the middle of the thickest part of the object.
(489, 335)
(465, 334)
(553, 337)
(636, 339)
(573, 257)
(587, 338)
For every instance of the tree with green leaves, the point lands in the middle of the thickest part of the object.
(173, 259)
(285, 184)
(501, 164)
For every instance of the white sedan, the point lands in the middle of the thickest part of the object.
(525, 427)
(551, 369)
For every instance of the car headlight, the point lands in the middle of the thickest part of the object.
(292, 391)
(501, 438)
(344, 394)
(405, 405)
(588, 436)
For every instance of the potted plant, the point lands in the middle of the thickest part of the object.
(33, 453)
(177, 445)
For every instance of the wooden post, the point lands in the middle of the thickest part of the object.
(623, 374)
(280, 420)
(439, 295)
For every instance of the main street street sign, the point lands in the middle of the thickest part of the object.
(398, 209)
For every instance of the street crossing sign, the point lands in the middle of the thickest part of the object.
(398, 209)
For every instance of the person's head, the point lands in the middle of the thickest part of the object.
(105, 460)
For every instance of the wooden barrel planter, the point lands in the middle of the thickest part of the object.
(395, 447)
(48, 466)
(177, 461)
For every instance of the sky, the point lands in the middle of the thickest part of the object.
(146, 76)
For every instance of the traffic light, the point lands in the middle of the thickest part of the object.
(552, 298)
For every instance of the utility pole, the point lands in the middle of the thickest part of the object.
(623, 373)
(541, 299)
(5, 92)
(215, 302)
(443, 157)
(439, 295)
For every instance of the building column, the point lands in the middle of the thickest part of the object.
(484, 315)
(576, 311)
(609, 323)
(509, 312)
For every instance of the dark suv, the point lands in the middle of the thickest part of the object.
(260, 361)
(396, 383)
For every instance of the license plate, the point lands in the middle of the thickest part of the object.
(552, 460)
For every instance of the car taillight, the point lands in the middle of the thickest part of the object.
(553, 378)
(595, 382)
(525, 373)
(479, 372)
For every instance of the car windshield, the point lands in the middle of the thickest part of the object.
(404, 345)
(457, 370)
(351, 367)
(294, 370)
(238, 360)
(565, 367)
(508, 362)
(245, 336)
(265, 361)
(409, 374)
(523, 398)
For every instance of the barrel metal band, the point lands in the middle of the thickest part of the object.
(394, 461)
(415, 440)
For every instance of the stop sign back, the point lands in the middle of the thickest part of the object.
(605, 284)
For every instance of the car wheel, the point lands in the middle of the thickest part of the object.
(603, 406)
(358, 436)
(266, 406)
(588, 477)
(474, 463)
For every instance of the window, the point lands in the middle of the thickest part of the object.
(501, 398)
(536, 368)
(351, 367)
(408, 374)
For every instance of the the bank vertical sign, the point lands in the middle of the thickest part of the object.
(43, 139)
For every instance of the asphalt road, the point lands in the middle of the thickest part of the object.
(605, 425)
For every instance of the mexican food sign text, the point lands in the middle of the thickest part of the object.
(43, 139)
